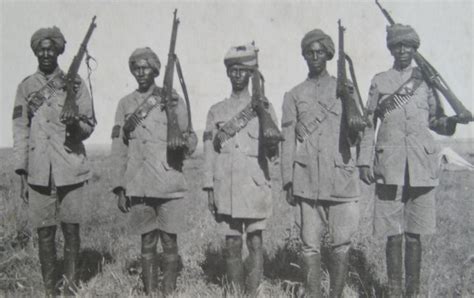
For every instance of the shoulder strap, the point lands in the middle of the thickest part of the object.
(238, 122)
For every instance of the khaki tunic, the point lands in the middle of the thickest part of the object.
(240, 178)
(403, 137)
(38, 144)
(321, 167)
(140, 167)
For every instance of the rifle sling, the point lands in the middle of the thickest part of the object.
(396, 100)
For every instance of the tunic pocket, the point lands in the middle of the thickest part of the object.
(345, 183)
(433, 159)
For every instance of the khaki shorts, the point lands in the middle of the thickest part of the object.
(49, 205)
(148, 214)
(399, 209)
(342, 220)
(237, 226)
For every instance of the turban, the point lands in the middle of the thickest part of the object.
(244, 55)
(146, 54)
(321, 37)
(405, 34)
(53, 34)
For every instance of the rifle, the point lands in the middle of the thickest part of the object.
(435, 80)
(271, 135)
(70, 111)
(177, 140)
(355, 119)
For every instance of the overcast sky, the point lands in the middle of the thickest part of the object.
(208, 29)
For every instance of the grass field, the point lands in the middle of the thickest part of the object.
(110, 255)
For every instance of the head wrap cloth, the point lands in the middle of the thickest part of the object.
(321, 37)
(405, 34)
(146, 54)
(53, 34)
(245, 55)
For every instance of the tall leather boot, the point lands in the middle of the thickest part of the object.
(254, 263)
(233, 263)
(149, 262)
(339, 263)
(393, 254)
(47, 257)
(312, 284)
(412, 264)
(72, 243)
(170, 262)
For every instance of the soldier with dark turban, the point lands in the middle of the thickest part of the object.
(318, 172)
(145, 183)
(403, 159)
(53, 172)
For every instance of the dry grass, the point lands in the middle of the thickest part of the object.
(110, 264)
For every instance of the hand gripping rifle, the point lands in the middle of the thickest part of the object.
(354, 112)
(270, 133)
(70, 113)
(177, 140)
(435, 80)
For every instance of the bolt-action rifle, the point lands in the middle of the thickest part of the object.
(355, 114)
(435, 80)
(270, 133)
(70, 111)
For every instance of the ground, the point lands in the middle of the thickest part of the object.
(110, 255)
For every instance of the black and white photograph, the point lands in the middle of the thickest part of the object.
(267, 148)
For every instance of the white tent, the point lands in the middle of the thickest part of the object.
(451, 161)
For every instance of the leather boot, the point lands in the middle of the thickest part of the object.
(47, 257)
(339, 263)
(412, 264)
(233, 263)
(72, 243)
(149, 262)
(393, 254)
(312, 283)
(170, 262)
(254, 263)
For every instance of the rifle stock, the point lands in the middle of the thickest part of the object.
(270, 133)
(435, 80)
(70, 111)
(355, 120)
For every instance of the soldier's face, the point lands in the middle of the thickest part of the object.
(316, 57)
(47, 55)
(403, 54)
(239, 77)
(144, 74)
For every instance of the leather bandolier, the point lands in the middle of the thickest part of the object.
(398, 99)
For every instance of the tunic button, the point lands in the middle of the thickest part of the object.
(49, 104)
(144, 126)
(47, 121)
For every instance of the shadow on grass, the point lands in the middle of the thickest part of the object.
(213, 265)
(91, 263)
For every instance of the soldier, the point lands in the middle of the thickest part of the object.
(146, 185)
(405, 158)
(318, 171)
(53, 168)
(236, 173)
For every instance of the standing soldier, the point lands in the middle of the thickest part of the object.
(318, 170)
(405, 158)
(146, 184)
(53, 168)
(236, 172)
